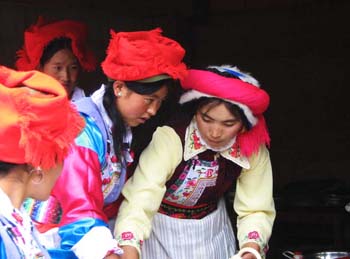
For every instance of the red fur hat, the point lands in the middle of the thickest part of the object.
(133, 56)
(38, 122)
(244, 91)
(38, 36)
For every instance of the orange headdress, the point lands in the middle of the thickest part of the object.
(38, 122)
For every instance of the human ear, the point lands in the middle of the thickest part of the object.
(117, 88)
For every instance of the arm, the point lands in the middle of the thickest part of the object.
(79, 191)
(144, 191)
(254, 203)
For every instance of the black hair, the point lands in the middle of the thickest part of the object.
(6, 167)
(54, 46)
(119, 127)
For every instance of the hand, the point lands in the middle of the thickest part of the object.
(249, 255)
(112, 256)
(130, 252)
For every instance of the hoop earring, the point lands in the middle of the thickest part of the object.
(37, 174)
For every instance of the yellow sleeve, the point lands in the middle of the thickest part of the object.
(144, 191)
(254, 203)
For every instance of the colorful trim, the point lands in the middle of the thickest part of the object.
(128, 238)
(255, 237)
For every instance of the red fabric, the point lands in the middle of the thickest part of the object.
(38, 36)
(38, 122)
(236, 90)
(138, 55)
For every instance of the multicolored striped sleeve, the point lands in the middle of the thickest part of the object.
(79, 192)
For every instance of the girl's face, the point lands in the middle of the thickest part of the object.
(217, 125)
(64, 67)
(136, 108)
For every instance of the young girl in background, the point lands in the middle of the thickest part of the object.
(174, 206)
(58, 49)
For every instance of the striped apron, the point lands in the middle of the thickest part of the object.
(211, 237)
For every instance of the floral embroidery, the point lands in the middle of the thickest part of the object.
(253, 235)
(235, 150)
(110, 174)
(195, 141)
(188, 188)
(128, 238)
(173, 187)
(127, 235)
(182, 176)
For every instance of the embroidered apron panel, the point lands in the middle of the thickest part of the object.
(193, 181)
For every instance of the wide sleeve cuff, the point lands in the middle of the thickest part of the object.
(96, 244)
(255, 237)
(129, 239)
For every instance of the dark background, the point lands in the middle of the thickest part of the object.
(297, 49)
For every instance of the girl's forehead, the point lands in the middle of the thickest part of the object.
(205, 108)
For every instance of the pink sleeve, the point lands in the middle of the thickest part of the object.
(78, 188)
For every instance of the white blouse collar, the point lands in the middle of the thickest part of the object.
(194, 145)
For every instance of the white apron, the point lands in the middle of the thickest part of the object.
(211, 237)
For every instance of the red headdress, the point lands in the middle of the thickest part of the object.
(38, 122)
(133, 56)
(38, 36)
(244, 91)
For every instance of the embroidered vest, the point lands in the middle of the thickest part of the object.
(196, 186)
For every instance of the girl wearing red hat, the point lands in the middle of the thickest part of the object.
(141, 68)
(58, 49)
(174, 206)
(38, 125)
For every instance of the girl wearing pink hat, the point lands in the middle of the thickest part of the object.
(174, 206)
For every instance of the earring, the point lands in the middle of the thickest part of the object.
(119, 94)
(38, 174)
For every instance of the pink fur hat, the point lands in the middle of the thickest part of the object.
(242, 90)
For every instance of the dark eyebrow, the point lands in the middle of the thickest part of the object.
(156, 96)
(226, 121)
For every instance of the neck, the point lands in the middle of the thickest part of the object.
(14, 188)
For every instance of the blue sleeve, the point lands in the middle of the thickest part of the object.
(2, 249)
(71, 234)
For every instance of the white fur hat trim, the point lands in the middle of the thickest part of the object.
(193, 94)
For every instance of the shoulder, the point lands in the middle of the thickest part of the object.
(91, 137)
(260, 158)
(165, 148)
(165, 136)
